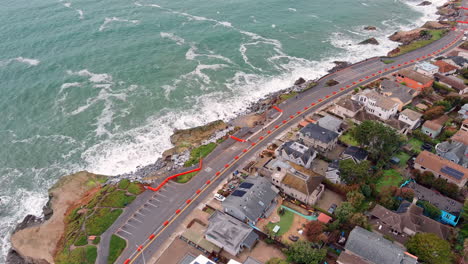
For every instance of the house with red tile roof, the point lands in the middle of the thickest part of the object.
(414, 79)
(445, 68)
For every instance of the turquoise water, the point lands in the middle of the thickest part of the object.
(100, 85)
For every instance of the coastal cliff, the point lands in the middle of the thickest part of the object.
(34, 241)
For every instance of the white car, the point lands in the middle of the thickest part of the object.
(219, 197)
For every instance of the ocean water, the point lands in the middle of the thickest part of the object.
(100, 85)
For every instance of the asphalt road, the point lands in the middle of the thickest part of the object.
(148, 214)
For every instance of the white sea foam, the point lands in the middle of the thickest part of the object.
(171, 36)
(68, 85)
(28, 61)
(108, 20)
(124, 152)
(93, 77)
(292, 9)
(81, 13)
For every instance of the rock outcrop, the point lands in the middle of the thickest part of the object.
(370, 28)
(35, 239)
(299, 81)
(371, 41)
(393, 52)
(425, 3)
(194, 136)
(435, 25)
(406, 37)
(339, 65)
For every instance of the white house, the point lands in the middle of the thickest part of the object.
(426, 68)
(377, 104)
(298, 153)
(410, 117)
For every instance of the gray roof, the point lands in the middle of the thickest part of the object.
(252, 197)
(411, 114)
(376, 249)
(355, 152)
(298, 150)
(459, 60)
(329, 122)
(318, 133)
(454, 151)
(396, 90)
(230, 233)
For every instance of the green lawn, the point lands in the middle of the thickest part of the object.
(117, 199)
(197, 153)
(102, 219)
(135, 188)
(388, 61)
(404, 157)
(117, 245)
(186, 177)
(285, 222)
(436, 35)
(415, 144)
(389, 178)
(348, 140)
(81, 255)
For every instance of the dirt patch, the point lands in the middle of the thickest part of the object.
(39, 242)
(297, 225)
(328, 198)
(249, 120)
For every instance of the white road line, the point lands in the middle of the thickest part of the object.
(121, 230)
(155, 205)
(150, 204)
(133, 218)
(138, 212)
(141, 209)
(130, 225)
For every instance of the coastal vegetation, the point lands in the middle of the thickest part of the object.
(91, 218)
(199, 152)
(116, 246)
(427, 37)
(388, 61)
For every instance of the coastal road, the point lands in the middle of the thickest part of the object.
(154, 216)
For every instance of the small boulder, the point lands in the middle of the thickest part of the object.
(370, 28)
(425, 3)
(434, 25)
(372, 41)
(299, 81)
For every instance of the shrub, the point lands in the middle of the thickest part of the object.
(135, 188)
(116, 246)
(101, 220)
(434, 112)
(117, 199)
(81, 241)
(331, 82)
(123, 184)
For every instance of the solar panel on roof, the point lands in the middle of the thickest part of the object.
(238, 193)
(246, 185)
(452, 172)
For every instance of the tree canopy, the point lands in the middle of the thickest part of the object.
(380, 140)
(302, 252)
(429, 248)
(313, 231)
(352, 173)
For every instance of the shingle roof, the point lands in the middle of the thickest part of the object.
(432, 125)
(410, 216)
(356, 152)
(381, 101)
(459, 60)
(347, 258)
(376, 249)
(444, 66)
(252, 198)
(229, 232)
(414, 75)
(298, 150)
(411, 114)
(303, 185)
(329, 122)
(461, 136)
(318, 133)
(452, 81)
(393, 89)
(439, 165)
(349, 104)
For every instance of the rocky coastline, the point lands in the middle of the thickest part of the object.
(184, 140)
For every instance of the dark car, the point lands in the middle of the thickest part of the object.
(293, 238)
(426, 146)
(332, 208)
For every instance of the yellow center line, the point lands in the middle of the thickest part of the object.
(309, 108)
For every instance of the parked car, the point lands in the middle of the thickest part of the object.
(293, 238)
(332, 208)
(219, 197)
(426, 146)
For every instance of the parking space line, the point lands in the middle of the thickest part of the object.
(150, 204)
(134, 219)
(121, 230)
(141, 209)
(130, 225)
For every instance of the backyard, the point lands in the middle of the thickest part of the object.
(389, 178)
(415, 144)
(285, 223)
(404, 157)
(348, 140)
